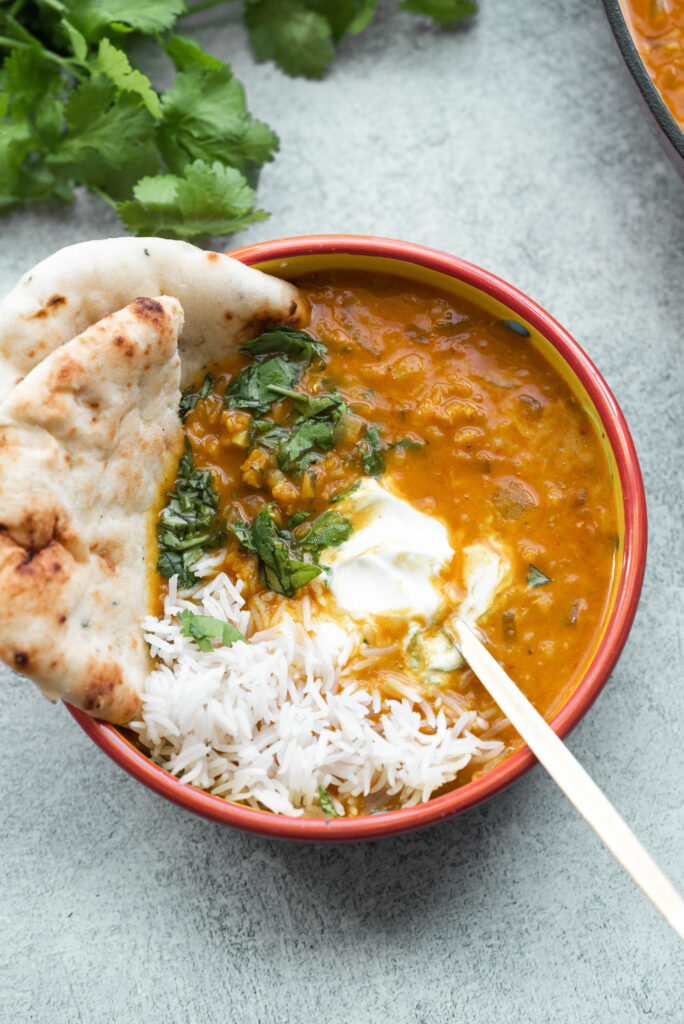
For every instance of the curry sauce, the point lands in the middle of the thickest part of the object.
(479, 432)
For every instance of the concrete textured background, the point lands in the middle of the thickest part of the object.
(517, 144)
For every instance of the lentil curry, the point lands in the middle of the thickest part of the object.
(657, 27)
(457, 414)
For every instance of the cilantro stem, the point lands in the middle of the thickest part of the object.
(67, 63)
(103, 195)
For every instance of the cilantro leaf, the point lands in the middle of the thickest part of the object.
(299, 450)
(297, 518)
(406, 442)
(371, 453)
(282, 573)
(185, 53)
(442, 12)
(189, 523)
(190, 398)
(329, 404)
(109, 139)
(329, 530)
(327, 806)
(116, 66)
(299, 40)
(206, 118)
(536, 578)
(93, 18)
(268, 435)
(286, 341)
(205, 628)
(252, 388)
(344, 15)
(345, 494)
(205, 200)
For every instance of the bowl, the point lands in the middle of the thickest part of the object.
(668, 132)
(292, 257)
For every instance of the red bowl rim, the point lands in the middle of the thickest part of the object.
(629, 587)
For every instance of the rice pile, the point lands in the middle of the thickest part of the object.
(266, 722)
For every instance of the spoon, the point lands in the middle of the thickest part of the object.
(569, 774)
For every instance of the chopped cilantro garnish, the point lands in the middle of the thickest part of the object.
(280, 556)
(251, 389)
(284, 341)
(327, 806)
(329, 530)
(190, 398)
(205, 628)
(536, 578)
(189, 523)
(345, 494)
(274, 548)
(371, 453)
(300, 449)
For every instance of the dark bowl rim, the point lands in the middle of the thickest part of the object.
(654, 102)
(598, 671)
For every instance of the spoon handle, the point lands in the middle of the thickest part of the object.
(569, 774)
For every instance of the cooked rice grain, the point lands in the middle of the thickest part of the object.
(266, 722)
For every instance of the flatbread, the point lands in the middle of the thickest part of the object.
(85, 442)
(224, 301)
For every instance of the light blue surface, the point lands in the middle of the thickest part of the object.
(516, 144)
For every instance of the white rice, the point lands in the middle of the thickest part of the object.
(266, 722)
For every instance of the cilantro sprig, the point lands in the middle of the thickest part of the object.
(205, 628)
(76, 110)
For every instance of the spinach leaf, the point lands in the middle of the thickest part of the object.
(251, 389)
(286, 341)
(371, 453)
(190, 398)
(204, 629)
(189, 524)
(536, 578)
(327, 531)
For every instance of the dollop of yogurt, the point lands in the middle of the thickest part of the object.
(390, 562)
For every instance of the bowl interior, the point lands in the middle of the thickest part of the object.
(296, 257)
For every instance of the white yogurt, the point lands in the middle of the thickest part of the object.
(389, 563)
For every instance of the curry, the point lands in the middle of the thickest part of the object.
(657, 27)
(458, 414)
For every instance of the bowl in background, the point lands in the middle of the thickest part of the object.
(293, 257)
(668, 132)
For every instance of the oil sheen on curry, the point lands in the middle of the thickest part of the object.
(405, 456)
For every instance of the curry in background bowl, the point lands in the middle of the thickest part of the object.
(473, 407)
(650, 37)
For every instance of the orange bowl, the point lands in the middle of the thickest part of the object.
(291, 257)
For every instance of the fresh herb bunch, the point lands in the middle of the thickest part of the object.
(189, 523)
(76, 110)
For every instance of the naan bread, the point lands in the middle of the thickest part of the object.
(85, 442)
(224, 301)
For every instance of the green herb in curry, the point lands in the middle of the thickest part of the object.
(189, 523)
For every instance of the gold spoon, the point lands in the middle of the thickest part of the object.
(569, 774)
